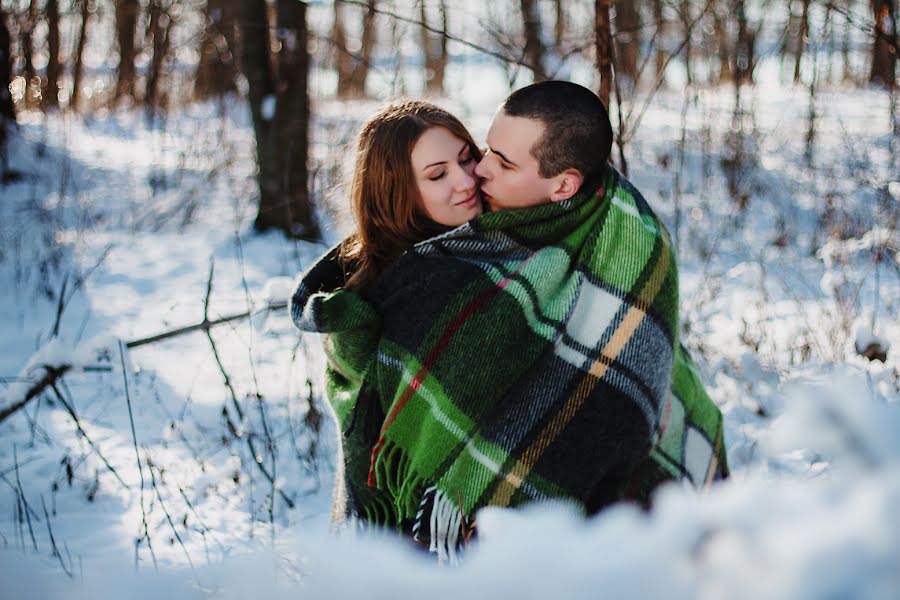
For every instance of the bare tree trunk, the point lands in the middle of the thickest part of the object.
(343, 62)
(353, 69)
(845, 51)
(744, 47)
(7, 109)
(884, 48)
(126, 25)
(801, 40)
(27, 27)
(158, 27)
(534, 48)
(435, 48)
(604, 48)
(661, 54)
(50, 94)
(217, 68)
(87, 7)
(280, 109)
(559, 27)
(688, 21)
(628, 24)
(724, 43)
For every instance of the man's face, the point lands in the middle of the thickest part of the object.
(508, 171)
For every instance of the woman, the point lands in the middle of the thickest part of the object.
(414, 175)
(413, 179)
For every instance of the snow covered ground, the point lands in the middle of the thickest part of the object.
(161, 479)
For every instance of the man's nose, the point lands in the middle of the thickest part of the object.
(481, 169)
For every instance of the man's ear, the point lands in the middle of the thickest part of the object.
(567, 183)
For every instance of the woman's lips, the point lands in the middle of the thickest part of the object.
(469, 202)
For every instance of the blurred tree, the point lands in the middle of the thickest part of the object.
(217, 68)
(559, 27)
(50, 93)
(744, 46)
(126, 24)
(435, 48)
(86, 8)
(279, 104)
(353, 65)
(26, 27)
(534, 49)
(801, 40)
(604, 48)
(159, 25)
(627, 50)
(884, 48)
(661, 54)
(7, 110)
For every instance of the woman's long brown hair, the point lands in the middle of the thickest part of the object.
(384, 197)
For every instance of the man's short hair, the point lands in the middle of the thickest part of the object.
(577, 132)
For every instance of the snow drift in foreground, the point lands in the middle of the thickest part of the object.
(833, 532)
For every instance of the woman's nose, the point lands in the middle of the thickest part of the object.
(464, 180)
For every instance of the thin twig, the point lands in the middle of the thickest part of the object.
(56, 552)
(71, 410)
(138, 457)
(257, 458)
(166, 513)
(21, 493)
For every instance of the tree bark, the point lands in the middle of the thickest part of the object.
(435, 49)
(26, 28)
(628, 23)
(661, 54)
(7, 109)
(720, 16)
(158, 28)
(604, 48)
(279, 105)
(534, 48)
(845, 51)
(126, 25)
(353, 68)
(559, 27)
(87, 7)
(217, 68)
(884, 47)
(744, 47)
(50, 94)
(801, 40)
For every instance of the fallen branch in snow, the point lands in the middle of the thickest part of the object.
(51, 376)
(53, 373)
(205, 325)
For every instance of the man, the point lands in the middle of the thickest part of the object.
(545, 142)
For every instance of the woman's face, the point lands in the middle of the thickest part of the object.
(444, 169)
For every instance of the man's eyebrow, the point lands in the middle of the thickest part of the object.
(503, 156)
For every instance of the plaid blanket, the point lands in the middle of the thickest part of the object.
(527, 355)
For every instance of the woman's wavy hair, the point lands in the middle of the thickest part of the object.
(384, 198)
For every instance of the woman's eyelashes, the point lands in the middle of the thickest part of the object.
(462, 161)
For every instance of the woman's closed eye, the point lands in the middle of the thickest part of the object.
(438, 176)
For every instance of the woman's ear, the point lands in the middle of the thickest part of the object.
(567, 183)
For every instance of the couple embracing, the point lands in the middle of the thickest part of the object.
(502, 328)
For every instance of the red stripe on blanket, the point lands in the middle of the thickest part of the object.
(439, 348)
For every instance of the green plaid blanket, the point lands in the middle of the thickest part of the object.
(527, 355)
